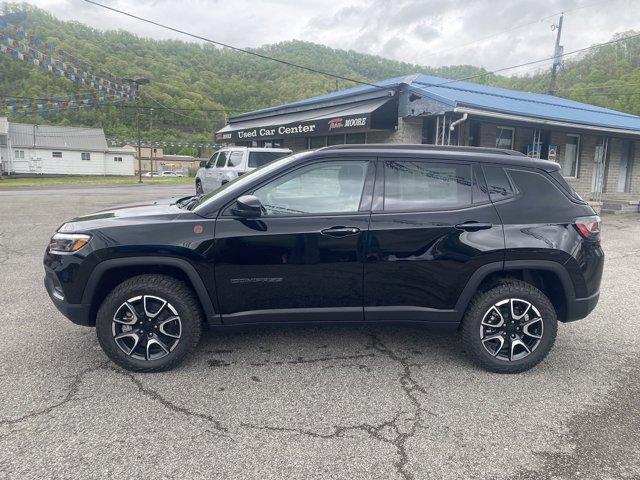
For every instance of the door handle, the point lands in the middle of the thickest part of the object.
(340, 231)
(473, 226)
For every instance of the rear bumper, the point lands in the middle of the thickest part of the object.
(581, 307)
(77, 313)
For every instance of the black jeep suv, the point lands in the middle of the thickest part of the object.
(489, 242)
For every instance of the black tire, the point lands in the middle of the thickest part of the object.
(199, 190)
(178, 296)
(499, 362)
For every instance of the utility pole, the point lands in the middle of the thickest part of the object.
(556, 56)
(151, 149)
(139, 142)
(138, 82)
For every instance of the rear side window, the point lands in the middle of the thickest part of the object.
(540, 193)
(426, 185)
(498, 183)
(557, 176)
(235, 159)
(258, 159)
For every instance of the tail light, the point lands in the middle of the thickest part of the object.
(589, 227)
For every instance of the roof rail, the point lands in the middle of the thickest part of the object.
(408, 146)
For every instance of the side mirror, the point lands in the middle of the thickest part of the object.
(203, 163)
(247, 206)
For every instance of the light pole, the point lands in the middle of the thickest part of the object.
(138, 82)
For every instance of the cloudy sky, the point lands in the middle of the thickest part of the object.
(488, 33)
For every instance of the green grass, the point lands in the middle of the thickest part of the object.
(91, 180)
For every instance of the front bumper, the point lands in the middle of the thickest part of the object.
(79, 313)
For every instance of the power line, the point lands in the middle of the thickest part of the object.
(237, 49)
(521, 25)
(533, 62)
(165, 107)
(595, 87)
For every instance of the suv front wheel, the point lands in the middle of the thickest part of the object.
(509, 328)
(149, 323)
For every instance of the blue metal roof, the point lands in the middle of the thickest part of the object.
(455, 93)
(534, 105)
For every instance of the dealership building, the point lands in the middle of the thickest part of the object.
(596, 147)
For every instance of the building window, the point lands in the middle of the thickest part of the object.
(86, 156)
(316, 142)
(117, 159)
(57, 154)
(3, 140)
(356, 138)
(271, 143)
(319, 142)
(504, 137)
(571, 155)
(19, 154)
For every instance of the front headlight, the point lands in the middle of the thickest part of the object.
(67, 243)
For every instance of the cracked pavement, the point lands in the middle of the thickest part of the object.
(339, 402)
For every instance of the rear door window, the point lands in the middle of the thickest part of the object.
(425, 185)
(235, 159)
(498, 183)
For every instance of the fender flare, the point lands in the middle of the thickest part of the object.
(483, 272)
(186, 267)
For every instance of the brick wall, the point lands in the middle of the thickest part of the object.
(409, 131)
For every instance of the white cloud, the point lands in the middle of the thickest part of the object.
(428, 32)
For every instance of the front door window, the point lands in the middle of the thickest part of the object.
(331, 187)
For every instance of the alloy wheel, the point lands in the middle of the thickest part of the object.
(146, 327)
(511, 329)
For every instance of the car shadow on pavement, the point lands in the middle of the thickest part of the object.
(299, 344)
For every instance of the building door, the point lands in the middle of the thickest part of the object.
(626, 166)
(599, 169)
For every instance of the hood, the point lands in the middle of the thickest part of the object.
(153, 211)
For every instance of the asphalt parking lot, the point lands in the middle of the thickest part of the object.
(307, 402)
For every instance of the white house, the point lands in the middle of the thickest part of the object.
(60, 150)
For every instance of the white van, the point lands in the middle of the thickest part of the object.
(231, 162)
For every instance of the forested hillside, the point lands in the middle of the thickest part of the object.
(193, 77)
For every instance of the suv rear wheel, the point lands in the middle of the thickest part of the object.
(149, 323)
(510, 328)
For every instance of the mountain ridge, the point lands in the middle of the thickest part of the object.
(188, 78)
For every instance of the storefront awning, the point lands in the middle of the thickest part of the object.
(376, 114)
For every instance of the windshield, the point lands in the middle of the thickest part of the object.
(239, 183)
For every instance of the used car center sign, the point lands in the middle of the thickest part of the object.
(306, 128)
